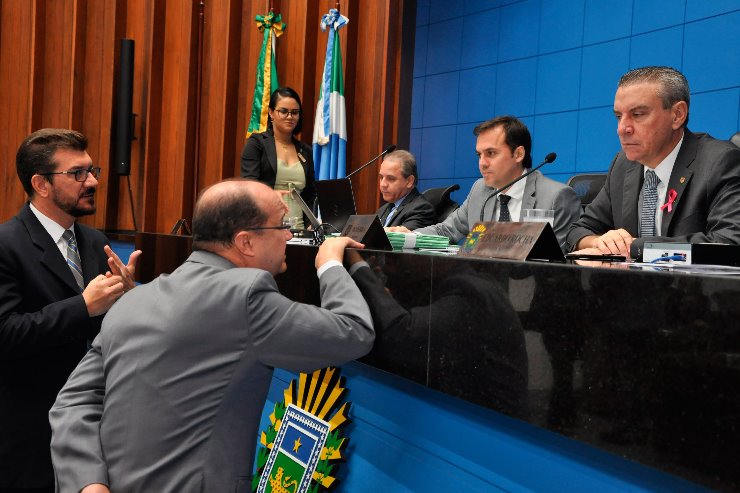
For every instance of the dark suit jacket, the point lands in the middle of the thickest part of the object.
(414, 212)
(259, 161)
(706, 178)
(44, 326)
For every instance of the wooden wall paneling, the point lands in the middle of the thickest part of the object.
(297, 61)
(93, 102)
(59, 61)
(365, 85)
(119, 212)
(18, 27)
(178, 127)
(218, 123)
(145, 24)
(250, 43)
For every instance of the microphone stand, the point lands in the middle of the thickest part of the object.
(548, 159)
(388, 149)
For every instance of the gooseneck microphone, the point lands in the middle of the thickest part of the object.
(388, 149)
(548, 159)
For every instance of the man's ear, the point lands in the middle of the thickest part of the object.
(411, 183)
(244, 242)
(41, 185)
(519, 154)
(680, 112)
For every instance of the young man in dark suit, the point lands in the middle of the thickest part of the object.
(57, 279)
(667, 183)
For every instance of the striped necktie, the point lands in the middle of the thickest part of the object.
(73, 258)
(649, 203)
(503, 214)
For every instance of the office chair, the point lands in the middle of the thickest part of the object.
(587, 186)
(735, 139)
(440, 199)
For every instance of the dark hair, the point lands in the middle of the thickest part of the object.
(516, 134)
(36, 153)
(673, 85)
(217, 220)
(285, 92)
(407, 162)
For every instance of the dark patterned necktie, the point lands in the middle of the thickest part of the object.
(649, 203)
(503, 213)
(73, 258)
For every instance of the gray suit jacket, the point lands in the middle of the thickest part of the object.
(540, 192)
(169, 397)
(706, 178)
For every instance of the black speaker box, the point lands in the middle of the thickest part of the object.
(123, 117)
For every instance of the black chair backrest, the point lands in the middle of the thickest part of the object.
(440, 199)
(735, 139)
(587, 186)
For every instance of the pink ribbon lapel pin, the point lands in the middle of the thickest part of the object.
(672, 194)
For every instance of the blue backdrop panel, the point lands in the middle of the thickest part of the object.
(548, 59)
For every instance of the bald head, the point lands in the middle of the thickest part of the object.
(230, 206)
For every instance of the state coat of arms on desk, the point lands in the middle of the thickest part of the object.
(303, 444)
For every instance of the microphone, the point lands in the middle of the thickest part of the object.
(548, 159)
(388, 149)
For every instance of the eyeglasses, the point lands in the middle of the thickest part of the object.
(79, 174)
(283, 227)
(284, 113)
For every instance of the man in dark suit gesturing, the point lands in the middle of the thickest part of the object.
(667, 183)
(57, 279)
(405, 206)
(170, 395)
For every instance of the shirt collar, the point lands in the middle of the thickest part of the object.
(516, 191)
(400, 201)
(665, 167)
(51, 226)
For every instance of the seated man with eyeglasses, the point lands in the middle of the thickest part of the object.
(189, 357)
(57, 279)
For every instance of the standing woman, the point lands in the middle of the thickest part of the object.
(277, 158)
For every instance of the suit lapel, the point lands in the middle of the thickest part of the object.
(270, 151)
(383, 212)
(529, 197)
(51, 257)
(633, 179)
(387, 207)
(680, 177)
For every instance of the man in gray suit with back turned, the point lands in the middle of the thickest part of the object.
(504, 148)
(170, 395)
(667, 184)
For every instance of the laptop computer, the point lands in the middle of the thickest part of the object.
(336, 202)
(306, 209)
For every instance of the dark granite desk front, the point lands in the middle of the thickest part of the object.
(642, 364)
(645, 365)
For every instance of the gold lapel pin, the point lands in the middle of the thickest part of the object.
(682, 180)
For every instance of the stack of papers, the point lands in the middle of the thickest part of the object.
(412, 240)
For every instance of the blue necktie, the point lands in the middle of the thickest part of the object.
(649, 203)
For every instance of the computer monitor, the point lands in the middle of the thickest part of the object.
(336, 202)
